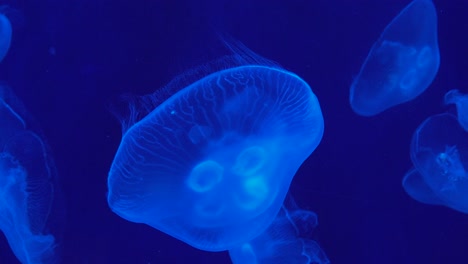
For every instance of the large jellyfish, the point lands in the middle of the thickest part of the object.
(5, 35)
(401, 64)
(26, 185)
(461, 102)
(439, 151)
(212, 164)
(287, 240)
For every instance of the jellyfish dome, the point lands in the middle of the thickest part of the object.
(5, 34)
(401, 64)
(416, 187)
(460, 100)
(212, 164)
(27, 188)
(287, 240)
(439, 151)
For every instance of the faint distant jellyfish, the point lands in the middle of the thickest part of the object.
(5, 35)
(439, 151)
(401, 64)
(461, 102)
(212, 164)
(286, 240)
(416, 187)
(26, 186)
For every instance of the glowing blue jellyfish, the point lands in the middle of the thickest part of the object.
(287, 240)
(439, 151)
(461, 102)
(417, 188)
(212, 164)
(401, 64)
(26, 186)
(5, 35)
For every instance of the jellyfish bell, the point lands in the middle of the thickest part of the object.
(5, 35)
(28, 185)
(211, 164)
(401, 64)
(439, 151)
(416, 187)
(10, 19)
(460, 100)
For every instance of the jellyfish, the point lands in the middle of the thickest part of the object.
(416, 187)
(212, 164)
(439, 151)
(5, 35)
(401, 64)
(461, 102)
(286, 240)
(26, 185)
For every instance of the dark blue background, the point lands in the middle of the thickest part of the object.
(104, 48)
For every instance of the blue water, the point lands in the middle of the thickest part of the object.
(69, 62)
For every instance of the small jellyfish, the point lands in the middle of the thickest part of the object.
(439, 151)
(401, 64)
(5, 34)
(461, 102)
(417, 188)
(286, 240)
(212, 164)
(26, 186)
